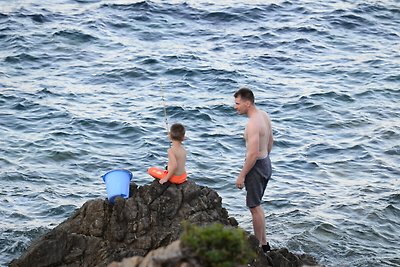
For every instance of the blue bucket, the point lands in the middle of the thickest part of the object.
(117, 183)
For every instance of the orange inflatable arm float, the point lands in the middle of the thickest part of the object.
(160, 173)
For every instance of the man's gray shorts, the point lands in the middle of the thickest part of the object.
(256, 181)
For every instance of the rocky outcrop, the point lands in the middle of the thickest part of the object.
(175, 255)
(100, 233)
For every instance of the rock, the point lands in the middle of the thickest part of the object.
(141, 231)
(100, 232)
(174, 255)
(279, 257)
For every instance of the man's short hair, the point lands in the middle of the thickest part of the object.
(245, 94)
(177, 132)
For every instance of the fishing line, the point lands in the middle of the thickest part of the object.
(165, 108)
(165, 115)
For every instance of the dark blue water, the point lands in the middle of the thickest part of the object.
(82, 85)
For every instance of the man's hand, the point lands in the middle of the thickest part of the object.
(240, 182)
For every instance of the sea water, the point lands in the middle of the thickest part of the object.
(85, 86)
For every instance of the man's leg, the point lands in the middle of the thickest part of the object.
(259, 227)
(259, 224)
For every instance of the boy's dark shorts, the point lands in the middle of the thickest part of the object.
(256, 181)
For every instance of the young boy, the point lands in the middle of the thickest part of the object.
(176, 172)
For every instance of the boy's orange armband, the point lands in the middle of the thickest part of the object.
(159, 174)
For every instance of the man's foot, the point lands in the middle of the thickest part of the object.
(266, 248)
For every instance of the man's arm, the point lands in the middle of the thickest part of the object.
(271, 136)
(271, 142)
(253, 139)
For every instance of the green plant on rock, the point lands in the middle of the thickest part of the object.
(218, 246)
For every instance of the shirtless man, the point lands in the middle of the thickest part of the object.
(257, 169)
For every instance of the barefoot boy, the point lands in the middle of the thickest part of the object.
(176, 172)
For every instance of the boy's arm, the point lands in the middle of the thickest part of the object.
(172, 165)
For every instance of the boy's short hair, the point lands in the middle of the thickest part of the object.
(245, 94)
(177, 132)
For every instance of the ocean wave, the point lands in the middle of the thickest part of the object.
(74, 36)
